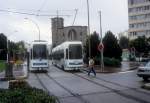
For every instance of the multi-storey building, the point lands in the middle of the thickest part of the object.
(139, 18)
(68, 33)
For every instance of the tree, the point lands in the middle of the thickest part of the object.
(141, 45)
(12, 47)
(3, 47)
(21, 49)
(94, 41)
(17, 50)
(111, 46)
(124, 42)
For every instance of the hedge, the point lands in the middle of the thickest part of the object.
(108, 62)
(112, 62)
(2, 65)
(21, 92)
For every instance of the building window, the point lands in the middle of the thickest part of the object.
(131, 2)
(72, 35)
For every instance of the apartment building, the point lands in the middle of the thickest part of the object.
(139, 18)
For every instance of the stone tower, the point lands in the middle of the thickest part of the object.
(57, 24)
(69, 33)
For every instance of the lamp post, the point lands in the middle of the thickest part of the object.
(88, 32)
(35, 25)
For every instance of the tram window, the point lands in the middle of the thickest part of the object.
(39, 51)
(58, 55)
(66, 53)
(75, 51)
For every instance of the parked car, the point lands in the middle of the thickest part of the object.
(144, 71)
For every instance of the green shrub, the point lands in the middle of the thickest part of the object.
(108, 61)
(25, 95)
(111, 62)
(18, 84)
(20, 92)
(2, 65)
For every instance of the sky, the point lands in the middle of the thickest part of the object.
(16, 27)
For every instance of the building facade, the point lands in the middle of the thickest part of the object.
(139, 18)
(69, 33)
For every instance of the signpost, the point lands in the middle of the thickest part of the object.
(101, 46)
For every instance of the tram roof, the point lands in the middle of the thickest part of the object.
(39, 42)
(65, 45)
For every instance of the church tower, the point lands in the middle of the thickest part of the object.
(57, 25)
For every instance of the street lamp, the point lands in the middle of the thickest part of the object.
(88, 32)
(35, 25)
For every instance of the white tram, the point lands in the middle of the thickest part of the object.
(39, 55)
(68, 55)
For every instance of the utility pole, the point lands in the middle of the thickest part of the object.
(88, 32)
(76, 11)
(101, 43)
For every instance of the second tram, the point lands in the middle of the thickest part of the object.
(68, 55)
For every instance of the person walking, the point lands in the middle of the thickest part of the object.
(91, 67)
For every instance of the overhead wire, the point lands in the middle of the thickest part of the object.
(25, 13)
(43, 4)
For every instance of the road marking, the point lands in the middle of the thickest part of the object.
(125, 72)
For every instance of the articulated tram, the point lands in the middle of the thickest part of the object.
(39, 55)
(68, 55)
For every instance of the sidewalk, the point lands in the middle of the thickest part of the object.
(125, 66)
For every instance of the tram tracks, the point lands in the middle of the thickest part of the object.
(45, 88)
(66, 89)
(117, 84)
(119, 92)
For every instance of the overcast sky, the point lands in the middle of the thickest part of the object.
(114, 16)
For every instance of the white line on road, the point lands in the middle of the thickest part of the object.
(125, 72)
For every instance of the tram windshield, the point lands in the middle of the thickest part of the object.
(75, 51)
(39, 51)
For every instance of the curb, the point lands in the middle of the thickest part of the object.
(14, 78)
(6, 79)
(132, 68)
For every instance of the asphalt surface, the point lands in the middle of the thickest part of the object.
(78, 87)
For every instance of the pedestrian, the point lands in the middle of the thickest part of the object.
(91, 67)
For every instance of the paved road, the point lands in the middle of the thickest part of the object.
(80, 88)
